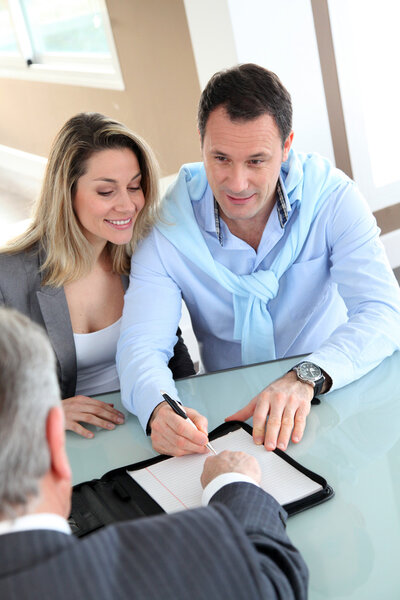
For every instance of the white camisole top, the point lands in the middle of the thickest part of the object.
(95, 358)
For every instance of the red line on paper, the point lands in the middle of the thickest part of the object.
(164, 486)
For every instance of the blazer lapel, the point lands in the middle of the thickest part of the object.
(55, 313)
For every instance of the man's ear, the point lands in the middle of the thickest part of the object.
(59, 464)
(286, 146)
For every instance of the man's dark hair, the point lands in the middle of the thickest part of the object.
(246, 92)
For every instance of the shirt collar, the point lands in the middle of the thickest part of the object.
(217, 221)
(283, 208)
(49, 521)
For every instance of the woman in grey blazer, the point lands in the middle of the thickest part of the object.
(69, 270)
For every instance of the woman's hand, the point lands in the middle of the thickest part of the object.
(88, 410)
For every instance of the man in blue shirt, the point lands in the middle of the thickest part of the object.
(275, 254)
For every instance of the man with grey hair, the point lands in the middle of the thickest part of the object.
(234, 548)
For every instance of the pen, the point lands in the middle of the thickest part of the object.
(178, 409)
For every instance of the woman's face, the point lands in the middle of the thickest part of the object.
(109, 196)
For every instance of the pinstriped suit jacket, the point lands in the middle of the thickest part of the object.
(234, 549)
(21, 288)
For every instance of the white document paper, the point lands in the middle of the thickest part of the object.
(175, 483)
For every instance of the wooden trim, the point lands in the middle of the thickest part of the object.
(330, 79)
(388, 218)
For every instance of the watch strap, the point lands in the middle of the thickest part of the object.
(318, 385)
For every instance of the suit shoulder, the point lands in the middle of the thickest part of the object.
(26, 259)
(19, 273)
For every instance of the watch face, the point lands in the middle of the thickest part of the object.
(308, 370)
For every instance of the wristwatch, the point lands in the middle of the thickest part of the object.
(310, 373)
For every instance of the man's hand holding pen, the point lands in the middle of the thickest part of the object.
(279, 414)
(170, 434)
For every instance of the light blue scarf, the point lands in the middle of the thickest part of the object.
(308, 178)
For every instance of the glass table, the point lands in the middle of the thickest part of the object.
(351, 543)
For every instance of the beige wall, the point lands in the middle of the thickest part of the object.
(161, 88)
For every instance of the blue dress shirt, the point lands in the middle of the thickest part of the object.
(339, 301)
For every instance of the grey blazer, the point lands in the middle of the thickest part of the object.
(236, 549)
(21, 288)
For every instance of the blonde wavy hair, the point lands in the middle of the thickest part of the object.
(55, 227)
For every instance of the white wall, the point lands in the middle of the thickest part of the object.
(277, 35)
(367, 49)
(281, 37)
(212, 36)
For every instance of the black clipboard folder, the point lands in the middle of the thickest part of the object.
(117, 497)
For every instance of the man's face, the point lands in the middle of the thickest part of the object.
(242, 161)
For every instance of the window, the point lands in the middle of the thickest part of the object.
(62, 41)
(8, 40)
